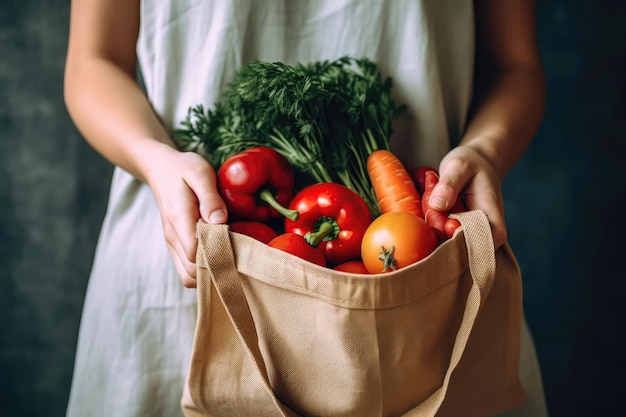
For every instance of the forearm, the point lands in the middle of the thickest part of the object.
(506, 116)
(113, 114)
(509, 97)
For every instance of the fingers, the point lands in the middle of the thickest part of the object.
(202, 201)
(464, 171)
(182, 236)
(186, 192)
(491, 204)
(454, 174)
(185, 266)
(186, 270)
(202, 181)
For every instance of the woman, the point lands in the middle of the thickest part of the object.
(469, 73)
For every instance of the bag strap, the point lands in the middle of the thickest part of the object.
(482, 265)
(220, 257)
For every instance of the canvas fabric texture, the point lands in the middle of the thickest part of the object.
(279, 336)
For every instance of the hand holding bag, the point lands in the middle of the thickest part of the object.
(278, 336)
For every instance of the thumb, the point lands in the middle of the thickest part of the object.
(210, 204)
(452, 181)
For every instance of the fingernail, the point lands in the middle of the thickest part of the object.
(218, 216)
(438, 203)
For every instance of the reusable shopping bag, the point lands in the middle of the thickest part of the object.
(279, 336)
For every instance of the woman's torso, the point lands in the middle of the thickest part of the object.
(190, 49)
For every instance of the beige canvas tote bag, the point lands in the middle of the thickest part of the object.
(278, 336)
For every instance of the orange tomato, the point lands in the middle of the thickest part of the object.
(395, 240)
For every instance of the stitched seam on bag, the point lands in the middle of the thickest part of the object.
(342, 302)
(350, 304)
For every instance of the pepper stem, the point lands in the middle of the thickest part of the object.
(267, 196)
(325, 229)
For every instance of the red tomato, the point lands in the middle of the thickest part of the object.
(259, 231)
(451, 226)
(296, 245)
(395, 240)
(354, 267)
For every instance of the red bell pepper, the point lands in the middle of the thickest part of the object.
(332, 215)
(257, 184)
(258, 230)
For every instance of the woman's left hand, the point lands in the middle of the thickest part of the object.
(464, 171)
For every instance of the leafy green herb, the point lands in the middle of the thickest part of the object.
(325, 118)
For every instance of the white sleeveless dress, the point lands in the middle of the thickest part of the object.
(138, 320)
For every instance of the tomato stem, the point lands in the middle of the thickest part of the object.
(386, 257)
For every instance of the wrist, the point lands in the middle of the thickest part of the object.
(487, 147)
(151, 157)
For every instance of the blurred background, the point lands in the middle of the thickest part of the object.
(564, 204)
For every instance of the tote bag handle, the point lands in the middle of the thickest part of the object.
(482, 265)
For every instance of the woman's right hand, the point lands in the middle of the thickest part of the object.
(184, 185)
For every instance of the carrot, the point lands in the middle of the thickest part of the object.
(393, 186)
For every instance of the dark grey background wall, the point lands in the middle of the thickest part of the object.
(565, 202)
